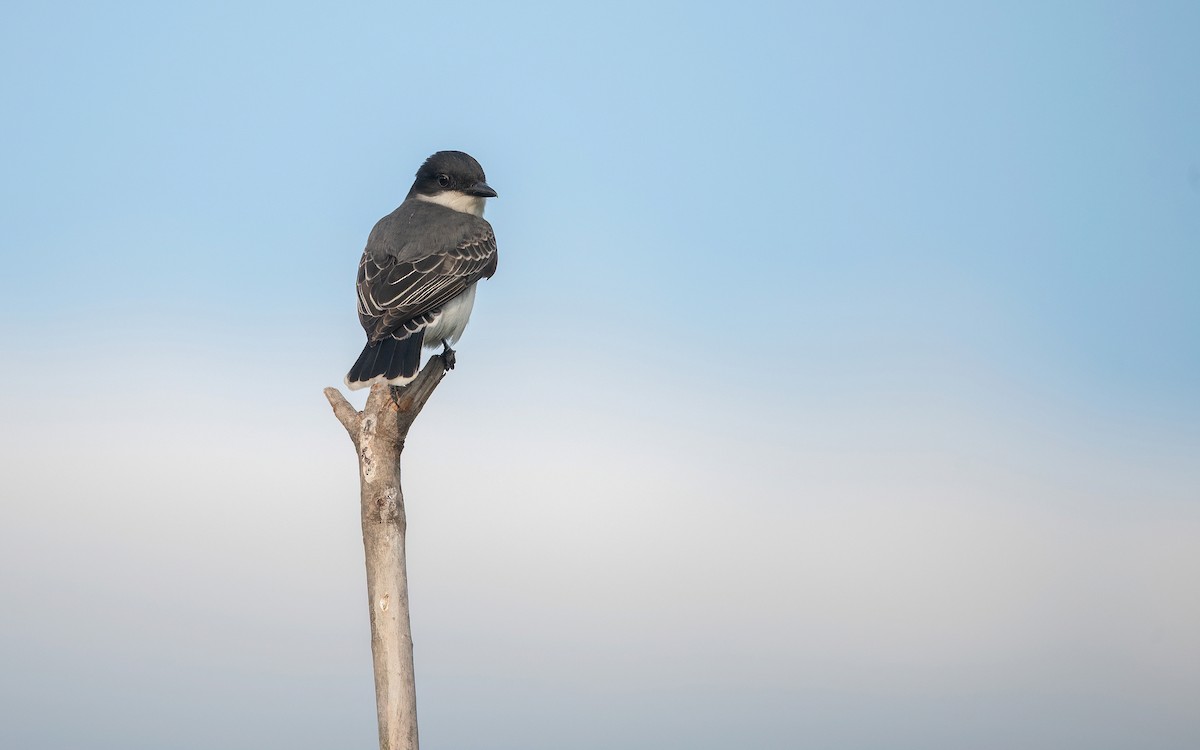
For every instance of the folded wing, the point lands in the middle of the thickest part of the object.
(398, 295)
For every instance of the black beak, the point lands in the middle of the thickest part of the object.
(481, 189)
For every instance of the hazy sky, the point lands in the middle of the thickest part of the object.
(839, 386)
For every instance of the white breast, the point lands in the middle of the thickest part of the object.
(452, 321)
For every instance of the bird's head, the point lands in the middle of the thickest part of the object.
(454, 180)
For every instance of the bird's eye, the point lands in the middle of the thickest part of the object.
(443, 180)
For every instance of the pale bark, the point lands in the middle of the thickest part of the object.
(378, 432)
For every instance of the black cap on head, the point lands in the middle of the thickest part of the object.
(451, 170)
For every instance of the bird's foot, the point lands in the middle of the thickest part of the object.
(448, 358)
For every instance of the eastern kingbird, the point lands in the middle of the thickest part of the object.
(416, 279)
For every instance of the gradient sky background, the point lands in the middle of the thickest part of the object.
(839, 386)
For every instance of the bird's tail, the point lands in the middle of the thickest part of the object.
(391, 361)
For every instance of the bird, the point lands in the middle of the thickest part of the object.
(416, 280)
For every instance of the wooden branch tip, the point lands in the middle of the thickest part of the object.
(344, 411)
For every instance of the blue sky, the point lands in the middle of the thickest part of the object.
(839, 385)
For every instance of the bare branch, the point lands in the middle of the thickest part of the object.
(350, 417)
(411, 399)
(378, 432)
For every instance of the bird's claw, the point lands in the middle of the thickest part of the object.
(448, 358)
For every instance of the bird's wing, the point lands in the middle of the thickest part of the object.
(397, 296)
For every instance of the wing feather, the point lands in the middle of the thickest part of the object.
(399, 297)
